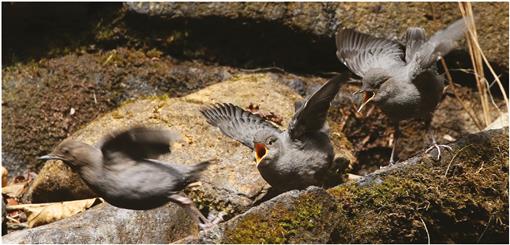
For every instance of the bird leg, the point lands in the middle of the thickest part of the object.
(438, 147)
(434, 142)
(393, 148)
(193, 211)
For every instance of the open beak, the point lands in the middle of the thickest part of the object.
(50, 157)
(367, 97)
(260, 152)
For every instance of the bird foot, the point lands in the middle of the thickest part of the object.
(206, 226)
(438, 148)
(390, 163)
(210, 221)
(215, 219)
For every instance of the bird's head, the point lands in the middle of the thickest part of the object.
(267, 148)
(371, 83)
(74, 153)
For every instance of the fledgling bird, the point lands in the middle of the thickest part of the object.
(401, 80)
(120, 169)
(293, 159)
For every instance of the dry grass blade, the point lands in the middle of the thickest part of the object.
(457, 96)
(478, 59)
(453, 158)
(426, 230)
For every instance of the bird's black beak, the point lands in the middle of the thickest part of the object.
(50, 157)
(260, 152)
(367, 97)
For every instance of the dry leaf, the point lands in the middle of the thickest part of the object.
(4, 176)
(44, 213)
(12, 201)
(14, 190)
(269, 116)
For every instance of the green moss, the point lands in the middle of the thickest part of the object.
(283, 224)
(456, 207)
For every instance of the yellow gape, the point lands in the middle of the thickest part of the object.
(260, 152)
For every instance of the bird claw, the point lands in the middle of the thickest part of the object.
(208, 223)
(438, 147)
(390, 163)
(206, 226)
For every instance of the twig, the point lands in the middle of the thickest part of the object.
(479, 169)
(492, 98)
(23, 206)
(457, 96)
(486, 227)
(426, 230)
(453, 158)
(13, 219)
(264, 69)
(95, 99)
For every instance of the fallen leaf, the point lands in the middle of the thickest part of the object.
(12, 201)
(45, 213)
(270, 116)
(14, 190)
(4, 176)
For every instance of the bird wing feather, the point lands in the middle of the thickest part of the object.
(153, 176)
(361, 52)
(440, 44)
(137, 143)
(237, 123)
(311, 116)
(414, 39)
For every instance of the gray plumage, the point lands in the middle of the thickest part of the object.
(119, 169)
(293, 159)
(402, 80)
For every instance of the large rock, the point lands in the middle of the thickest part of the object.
(322, 19)
(307, 216)
(107, 224)
(38, 98)
(232, 184)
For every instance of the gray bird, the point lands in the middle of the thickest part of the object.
(120, 169)
(401, 80)
(293, 159)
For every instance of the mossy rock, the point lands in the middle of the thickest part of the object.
(294, 217)
(461, 199)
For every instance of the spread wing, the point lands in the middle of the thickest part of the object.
(415, 38)
(311, 116)
(237, 123)
(440, 44)
(137, 143)
(360, 52)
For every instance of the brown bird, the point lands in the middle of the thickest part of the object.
(121, 170)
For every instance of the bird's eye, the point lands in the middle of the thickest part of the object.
(270, 141)
(380, 82)
(65, 151)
